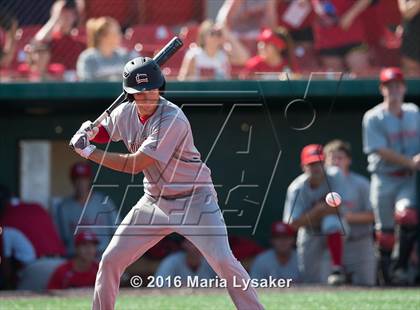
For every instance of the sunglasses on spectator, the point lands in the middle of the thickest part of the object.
(215, 32)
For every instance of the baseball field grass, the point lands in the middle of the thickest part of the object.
(297, 298)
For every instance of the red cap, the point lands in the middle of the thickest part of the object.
(80, 169)
(280, 228)
(311, 153)
(391, 74)
(85, 236)
(268, 36)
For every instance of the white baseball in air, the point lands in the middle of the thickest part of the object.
(333, 199)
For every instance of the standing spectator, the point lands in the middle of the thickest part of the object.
(275, 55)
(213, 55)
(105, 58)
(81, 270)
(87, 208)
(339, 35)
(184, 264)
(279, 262)
(391, 139)
(245, 18)
(359, 256)
(294, 15)
(410, 49)
(59, 37)
(319, 226)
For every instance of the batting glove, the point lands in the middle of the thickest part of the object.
(89, 130)
(81, 145)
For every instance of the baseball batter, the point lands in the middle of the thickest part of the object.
(391, 138)
(178, 192)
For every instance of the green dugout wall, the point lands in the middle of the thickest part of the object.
(249, 132)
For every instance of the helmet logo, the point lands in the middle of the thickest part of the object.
(141, 78)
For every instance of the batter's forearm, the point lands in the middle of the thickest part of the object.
(395, 158)
(116, 161)
(360, 218)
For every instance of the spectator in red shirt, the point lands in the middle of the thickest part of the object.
(275, 55)
(59, 36)
(339, 35)
(81, 270)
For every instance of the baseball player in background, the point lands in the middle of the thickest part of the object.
(391, 139)
(319, 226)
(179, 195)
(359, 254)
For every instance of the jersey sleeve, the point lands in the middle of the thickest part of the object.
(293, 206)
(165, 139)
(373, 137)
(364, 195)
(111, 126)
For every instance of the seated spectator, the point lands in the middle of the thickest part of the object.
(59, 38)
(97, 210)
(410, 49)
(275, 55)
(8, 28)
(16, 250)
(16, 253)
(105, 58)
(81, 270)
(279, 262)
(319, 226)
(216, 50)
(186, 263)
(339, 35)
(40, 231)
(359, 254)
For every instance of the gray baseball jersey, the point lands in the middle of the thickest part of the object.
(167, 137)
(266, 264)
(176, 265)
(382, 129)
(311, 241)
(358, 201)
(99, 211)
(301, 197)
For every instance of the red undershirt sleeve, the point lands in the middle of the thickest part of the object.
(102, 136)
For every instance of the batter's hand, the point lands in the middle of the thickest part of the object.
(81, 144)
(89, 130)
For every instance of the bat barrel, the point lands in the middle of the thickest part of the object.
(168, 50)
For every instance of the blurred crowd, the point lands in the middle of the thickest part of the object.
(78, 40)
